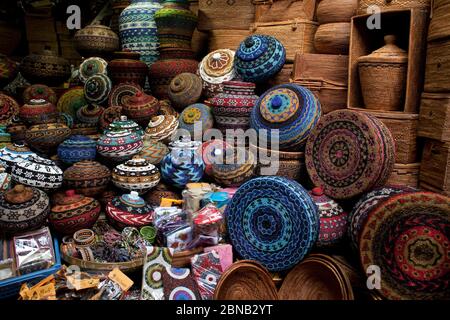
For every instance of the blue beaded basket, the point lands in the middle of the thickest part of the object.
(274, 221)
(77, 148)
(289, 108)
(259, 57)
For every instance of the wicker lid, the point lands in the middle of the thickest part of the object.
(389, 53)
(125, 124)
(19, 194)
(218, 64)
(184, 82)
(139, 99)
(92, 66)
(69, 198)
(87, 170)
(245, 280)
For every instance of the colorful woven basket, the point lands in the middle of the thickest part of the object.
(274, 221)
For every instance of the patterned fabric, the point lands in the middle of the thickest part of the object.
(97, 88)
(179, 284)
(207, 270)
(225, 252)
(349, 153)
(183, 164)
(92, 66)
(289, 108)
(158, 260)
(137, 29)
(407, 236)
(274, 221)
(38, 172)
(76, 149)
(259, 57)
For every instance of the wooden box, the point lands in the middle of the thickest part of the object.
(440, 23)
(434, 117)
(435, 167)
(403, 127)
(405, 175)
(278, 10)
(282, 77)
(437, 70)
(225, 14)
(410, 27)
(386, 5)
(326, 76)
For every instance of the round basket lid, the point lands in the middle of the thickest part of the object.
(349, 153)
(407, 237)
(19, 194)
(389, 53)
(245, 281)
(253, 47)
(274, 221)
(97, 88)
(130, 203)
(218, 66)
(9, 108)
(86, 169)
(139, 99)
(71, 101)
(120, 91)
(92, 66)
(39, 91)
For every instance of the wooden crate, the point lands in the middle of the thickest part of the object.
(405, 175)
(225, 14)
(226, 39)
(435, 167)
(403, 127)
(282, 77)
(437, 70)
(386, 5)
(410, 27)
(440, 24)
(434, 117)
(279, 10)
(326, 76)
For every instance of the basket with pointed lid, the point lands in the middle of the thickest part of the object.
(185, 89)
(140, 107)
(39, 91)
(9, 109)
(22, 209)
(125, 124)
(89, 178)
(136, 174)
(216, 68)
(161, 128)
(119, 145)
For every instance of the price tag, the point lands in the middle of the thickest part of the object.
(121, 279)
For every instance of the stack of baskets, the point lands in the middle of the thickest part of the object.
(434, 119)
(326, 72)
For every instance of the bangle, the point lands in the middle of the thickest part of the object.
(67, 240)
(86, 253)
(84, 237)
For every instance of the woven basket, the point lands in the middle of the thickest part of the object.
(225, 14)
(329, 11)
(333, 38)
(386, 5)
(406, 175)
(295, 35)
(318, 277)
(245, 281)
(437, 67)
(440, 23)
(226, 39)
(126, 267)
(279, 10)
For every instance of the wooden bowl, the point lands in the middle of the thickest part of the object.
(316, 278)
(245, 280)
(333, 38)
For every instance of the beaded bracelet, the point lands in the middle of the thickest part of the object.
(84, 237)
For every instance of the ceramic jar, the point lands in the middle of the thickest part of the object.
(161, 128)
(38, 111)
(127, 68)
(97, 88)
(185, 89)
(45, 137)
(23, 209)
(161, 191)
(175, 24)
(232, 108)
(96, 40)
(259, 57)
(45, 67)
(71, 100)
(119, 145)
(8, 70)
(74, 212)
(289, 108)
(173, 62)
(197, 112)
(129, 210)
(17, 130)
(125, 124)
(383, 77)
(236, 168)
(137, 29)
(12, 154)
(9, 108)
(90, 114)
(140, 107)
(89, 178)
(136, 175)
(153, 151)
(77, 148)
(5, 180)
(333, 219)
(38, 172)
(92, 66)
(183, 164)
(38, 92)
(216, 68)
